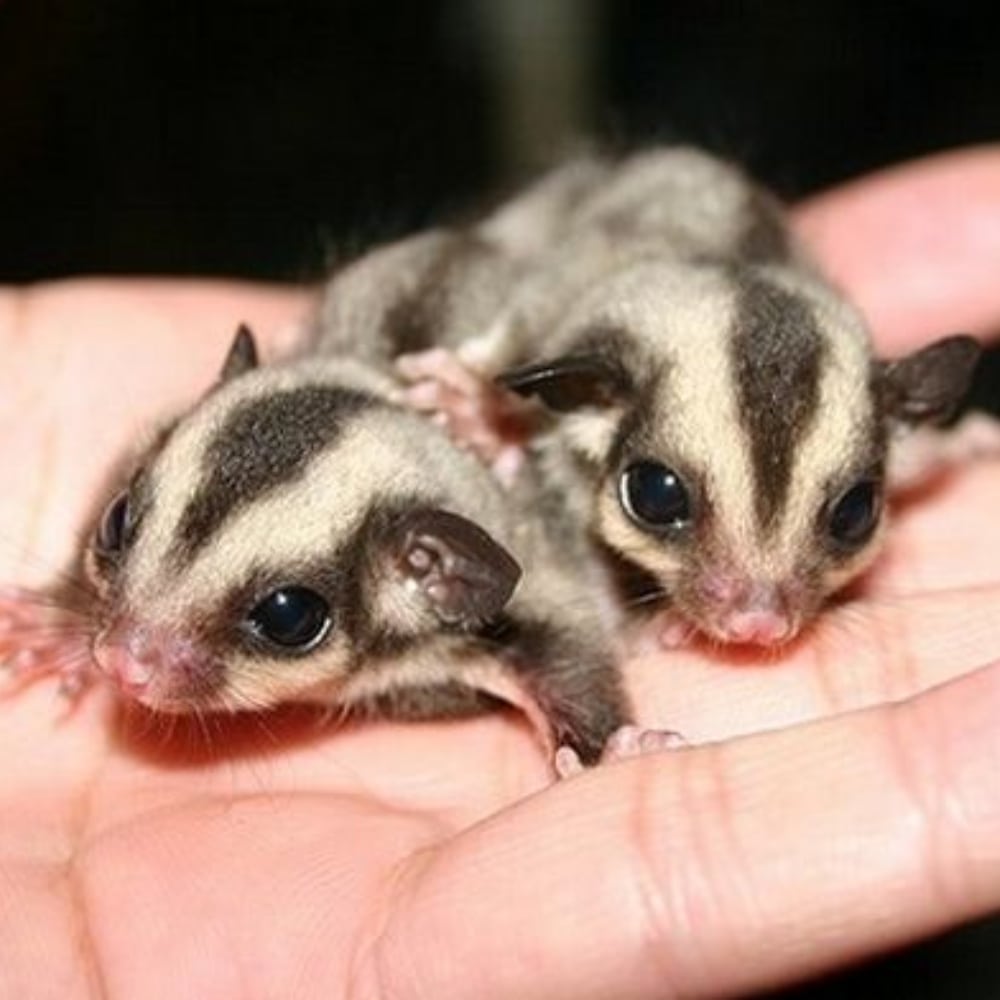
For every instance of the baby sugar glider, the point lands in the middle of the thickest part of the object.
(719, 409)
(297, 536)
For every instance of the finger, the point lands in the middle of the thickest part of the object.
(717, 870)
(155, 308)
(854, 656)
(915, 245)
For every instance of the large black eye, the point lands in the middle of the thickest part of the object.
(854, 517)
(655, 497)
(293, 617)
(113, 530)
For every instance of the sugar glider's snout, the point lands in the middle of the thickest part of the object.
(176, 666)
(158, 664)
(770, 610)
(735, 609)
(723, 599)
(160, 667)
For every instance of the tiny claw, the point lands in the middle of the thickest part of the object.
(23, 661)
(666, 630)
(673, 634)
(624, 743)
(435, 363)
(635, 741)
(425, 396)
(655, 740)
(73, 683)
(507, 465)
(567, 763)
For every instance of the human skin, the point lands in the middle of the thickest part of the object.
(834, 801)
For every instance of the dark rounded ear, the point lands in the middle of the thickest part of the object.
(571, 382)
(242, 356)
(929, 384)
(464, 575)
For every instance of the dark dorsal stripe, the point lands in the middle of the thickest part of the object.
(414, 322)
(776, 354)
(263, 444)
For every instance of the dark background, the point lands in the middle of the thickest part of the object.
(252, 138)
(264, 138)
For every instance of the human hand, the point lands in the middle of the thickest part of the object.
(275, 857)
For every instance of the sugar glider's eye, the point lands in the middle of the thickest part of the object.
(655, 497)
(294, 618)
(113, 529)
(854, 516)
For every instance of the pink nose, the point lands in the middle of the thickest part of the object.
(762, 627)
(148, 663)
(128, 658)
(745, 610)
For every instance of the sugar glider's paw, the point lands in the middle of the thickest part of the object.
(478, 414)
(628, 741)
(634, 741)
(40, 639)
(443, 368)
(666, 630)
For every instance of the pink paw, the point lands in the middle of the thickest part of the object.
(479, 415)
(667, 630)
(634, 741)
(626, 742)
(38, 638)
(442, 366)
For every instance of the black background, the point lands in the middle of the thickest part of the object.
(262, 139)
(252, 138)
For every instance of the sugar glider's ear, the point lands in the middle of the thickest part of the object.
(571, 382)
(242, 356)
(589, 389)
(928, 385)
(464, 577)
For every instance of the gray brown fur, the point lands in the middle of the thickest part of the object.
(431, 289)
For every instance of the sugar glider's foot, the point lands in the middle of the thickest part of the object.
(479, 415)
(39, 639)
(628, 741)
(666, 630)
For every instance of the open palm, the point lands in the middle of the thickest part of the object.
(808, 823)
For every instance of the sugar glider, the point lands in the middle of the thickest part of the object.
(717, 403)
(297, 536)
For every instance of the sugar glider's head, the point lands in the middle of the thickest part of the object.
(737, 427)
(292, 528)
